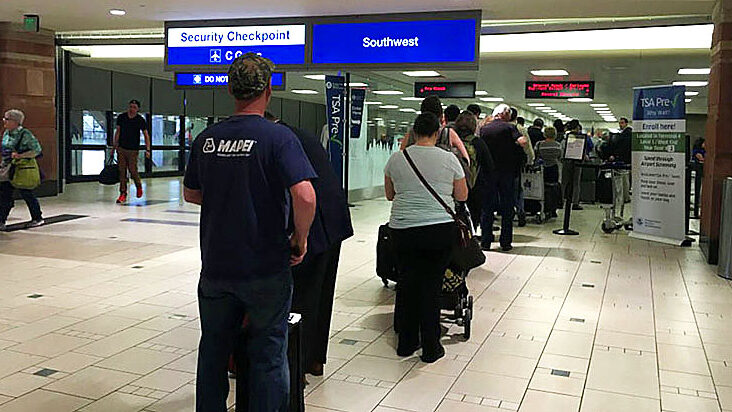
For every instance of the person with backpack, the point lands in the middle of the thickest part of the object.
(481, 163)
(17, 143)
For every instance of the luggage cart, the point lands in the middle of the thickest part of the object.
(532, 181)
(610, 195)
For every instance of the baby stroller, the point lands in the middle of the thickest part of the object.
(455, 297)
(610, 195)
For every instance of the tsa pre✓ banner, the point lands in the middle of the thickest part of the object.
(335, 87)
(659, 164)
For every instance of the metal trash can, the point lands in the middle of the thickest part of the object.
(725, 232)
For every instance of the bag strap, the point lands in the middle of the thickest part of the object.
(427, 185)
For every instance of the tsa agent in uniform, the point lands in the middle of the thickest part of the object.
(248, 174)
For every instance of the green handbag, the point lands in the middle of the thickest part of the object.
(25, 174)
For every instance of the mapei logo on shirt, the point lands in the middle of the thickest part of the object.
(229, 147)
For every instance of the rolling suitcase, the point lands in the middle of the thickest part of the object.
(297, 370)
(386, 264)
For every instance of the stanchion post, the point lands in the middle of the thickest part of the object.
(565, 230)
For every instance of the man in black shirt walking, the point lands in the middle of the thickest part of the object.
(248, 174)
(127, 146)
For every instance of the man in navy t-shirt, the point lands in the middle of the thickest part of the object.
(246, 173)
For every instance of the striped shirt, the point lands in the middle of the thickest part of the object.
(549, 151)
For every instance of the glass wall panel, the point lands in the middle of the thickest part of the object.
(87, 162)
(88, 127)
(165, 130)
(165, 160)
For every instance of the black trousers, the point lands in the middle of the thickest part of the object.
(7, 203)
(475, 204)
(423, 254)
(314, 288)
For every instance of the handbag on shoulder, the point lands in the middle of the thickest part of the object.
(466, 251)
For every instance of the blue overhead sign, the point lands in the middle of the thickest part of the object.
(396, 42)
(214, 80)
(220, 46)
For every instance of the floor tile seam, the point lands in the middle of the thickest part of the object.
(389, 390)
(597, 325)
(696, 322)
(503, 270)
(554, 324)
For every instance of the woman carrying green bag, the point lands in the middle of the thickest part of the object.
(19, 168)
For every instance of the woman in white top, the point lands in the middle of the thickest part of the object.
(423, 234)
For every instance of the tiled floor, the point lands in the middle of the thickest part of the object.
(99, 314)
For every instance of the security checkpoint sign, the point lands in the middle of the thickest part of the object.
(659, 164)
(220, 46)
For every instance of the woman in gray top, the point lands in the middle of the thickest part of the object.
(423, 234)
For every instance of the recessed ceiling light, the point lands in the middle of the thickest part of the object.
(389, 106)
(412, 99)
(579, 99)
(706, 70)
(546, 109)
(358, 84)
(388, 92)
(536, 104)
(691, 84)
(491, 99)
(314, 76)
(598, 105)
(117, 12)
(304, 91)
(481, 93)
(422, 73)
(370, 103)
(687, 100)
(407, 110)
(692, 93)
(549, 73)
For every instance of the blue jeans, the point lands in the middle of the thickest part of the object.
(7, 203)
(222, 306)
(499, 197)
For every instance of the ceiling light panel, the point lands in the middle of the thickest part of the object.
(304, 91)
(703, 71)
(550, 73)
(491, 99)
(388, 92)
(422, 73)
(314, 76)
(691, 83)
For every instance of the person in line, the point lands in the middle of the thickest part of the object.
(451, 114)
(423, 233)
(447, 140)
(505, 143)
(476, 110)
(535, 133)
(621, 148)
(315, 279)
(249, 175)
(481, 163)
(559, 125)
(528, 159)
(574, 130)
(127, 145)
(698, 155)
(18, 143)
(550, 152)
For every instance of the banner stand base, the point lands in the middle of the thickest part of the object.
(643, 236)
(565, 232)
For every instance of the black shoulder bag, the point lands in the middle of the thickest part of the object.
(466, 251)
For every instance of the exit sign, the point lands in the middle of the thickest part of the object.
(32, 22)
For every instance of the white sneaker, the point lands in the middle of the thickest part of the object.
(36, 223)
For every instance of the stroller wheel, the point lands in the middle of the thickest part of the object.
(467, 323)
(540, 218)
(458, 310)
(470, 303)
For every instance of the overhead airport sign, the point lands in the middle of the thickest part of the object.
(559, 90)
(454, 90)
(448, 40)
(218, 80)
(219, 46)
(398, 42)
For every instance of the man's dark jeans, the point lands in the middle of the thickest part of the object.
(499, 197)
(222, 306)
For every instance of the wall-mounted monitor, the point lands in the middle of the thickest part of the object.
(453, 90)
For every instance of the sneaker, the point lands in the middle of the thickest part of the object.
(36, 223)
(122, 198)
(507, 248)
(433, 357)
(486, 247)
(139, 192)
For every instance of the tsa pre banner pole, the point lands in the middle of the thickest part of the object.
(347, 133)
